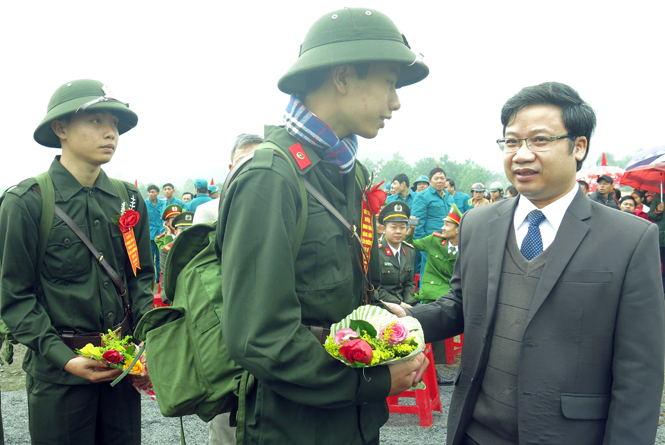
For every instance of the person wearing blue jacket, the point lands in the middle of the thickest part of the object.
(461, 199)
(430, 206)
(402, 190)
(155, 208)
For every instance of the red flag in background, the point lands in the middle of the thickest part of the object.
(604, 161)
(136, 183)
(212, 181)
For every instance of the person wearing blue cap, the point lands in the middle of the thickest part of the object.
(201, 186)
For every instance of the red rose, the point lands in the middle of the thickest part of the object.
(112, 356)
(376, 198)
(357, 351)
(128, 220)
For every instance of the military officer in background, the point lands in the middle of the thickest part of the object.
(396, 258)
(170, 212)
(442, 248)
(69, 300)
(181, 221)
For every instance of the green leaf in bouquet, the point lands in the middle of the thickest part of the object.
(130, 349)
(362, 325)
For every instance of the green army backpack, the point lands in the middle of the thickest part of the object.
(47, 192)
(189, 365)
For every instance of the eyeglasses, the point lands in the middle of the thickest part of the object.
(534, 143)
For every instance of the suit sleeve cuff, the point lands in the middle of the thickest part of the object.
(374, 384)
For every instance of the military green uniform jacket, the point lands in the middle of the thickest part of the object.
(162, 240)
(396, 283)
(303, 395)
(439, 267)
(72, 291)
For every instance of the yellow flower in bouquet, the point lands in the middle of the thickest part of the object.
(91, 351)
(137, 369)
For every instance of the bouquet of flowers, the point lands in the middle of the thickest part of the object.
(371, 336)
(119, 353)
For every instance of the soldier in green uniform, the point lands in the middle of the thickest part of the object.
(396, 258)
(49, 307)
(276, 309)
(441, 247)
(181, 221)
(166, 237)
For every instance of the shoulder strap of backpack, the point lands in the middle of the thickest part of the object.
(302, 220)
(47, 191)
(121, 188)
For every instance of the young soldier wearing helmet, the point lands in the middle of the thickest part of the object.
(496, 191)
(69, 300)
(276, 310)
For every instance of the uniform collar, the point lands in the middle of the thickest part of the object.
(68, 186)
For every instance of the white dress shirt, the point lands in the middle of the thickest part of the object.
(396, 253)
(553, 212)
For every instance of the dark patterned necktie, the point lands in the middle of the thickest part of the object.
(532, 246)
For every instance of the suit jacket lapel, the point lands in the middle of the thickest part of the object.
(572, 231)
(498, 226)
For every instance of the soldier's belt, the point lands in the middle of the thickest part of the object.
(319, 332)
(78, 341)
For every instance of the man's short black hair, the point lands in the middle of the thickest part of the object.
(401, 178)
(436, 170)
(315, 79)
(153, 187)
(584, 183)
(191, 196)
(512, 190)
(168, 184)
(578, 117)
(626, 198)
(451, 182)
(203, 189)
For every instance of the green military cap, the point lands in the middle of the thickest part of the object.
(395, 211)
(171, 210)
(351, 36)
(184, 220)
(82, 95)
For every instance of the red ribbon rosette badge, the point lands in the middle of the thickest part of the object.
(126, 222)
(373, 199)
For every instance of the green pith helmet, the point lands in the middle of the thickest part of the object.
(84, 94)
(351, 36)
(496, 186)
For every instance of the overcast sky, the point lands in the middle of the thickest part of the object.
(199, 73)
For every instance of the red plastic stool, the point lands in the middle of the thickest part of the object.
(157, 302)
(453, 348)
(427, 400)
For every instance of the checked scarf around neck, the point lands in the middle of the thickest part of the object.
(303, 125)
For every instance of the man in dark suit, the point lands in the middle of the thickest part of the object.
(563, 335)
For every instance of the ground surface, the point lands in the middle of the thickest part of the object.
(401, 429)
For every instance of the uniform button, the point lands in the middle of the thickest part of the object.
(67, 241)
(91, 192)
(431, 282)
(97, 224)
(106, 284)
(110, 315)
(436, 256)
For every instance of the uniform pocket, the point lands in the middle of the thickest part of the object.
(585, 406)
(66, 255)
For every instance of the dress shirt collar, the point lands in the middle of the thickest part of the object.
(554, 212)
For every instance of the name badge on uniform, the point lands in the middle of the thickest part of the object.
(387, 263)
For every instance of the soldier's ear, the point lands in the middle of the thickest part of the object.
(340, 77)
(58, 127)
